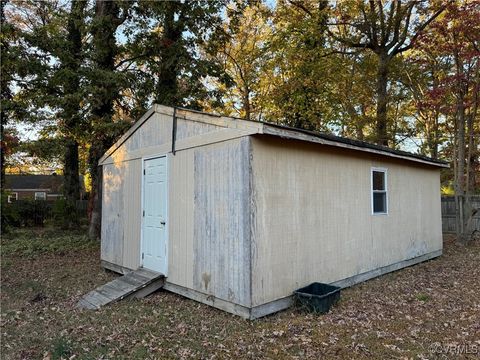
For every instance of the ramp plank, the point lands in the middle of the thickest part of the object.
(137, 284)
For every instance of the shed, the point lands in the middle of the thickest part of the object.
(238, 214)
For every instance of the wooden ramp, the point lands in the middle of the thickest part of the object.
(135, 284)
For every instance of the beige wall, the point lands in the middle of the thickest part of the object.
(121, 211)
(208, 207)
(313, 217)
(221, 221)
(306, 206)
(122, 183)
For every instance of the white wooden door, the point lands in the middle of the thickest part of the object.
(154, 231)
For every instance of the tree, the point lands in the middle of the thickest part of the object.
(301, 75)
(166, 47)
(105, 86)
(70, 72)
(42, 156)
(6, 95)
(385, 29)
(245, 57)
(8, 55)
(51, 74)
(424, 72)
(454, 40)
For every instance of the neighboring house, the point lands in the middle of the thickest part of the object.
(238, 214)
(37, 187)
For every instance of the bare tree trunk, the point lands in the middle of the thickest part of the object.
(382, 100)
(3, 123)
(435, 137)
(5, 94)
(167, 87)
(71, 172)
(469, 212)
(105, 23)
(460, 171)
(246, 104)
(71, 62)
(436, 115)
(95, 201)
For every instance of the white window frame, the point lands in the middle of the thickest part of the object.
(11, 196)
(385, 172)
(43, 193)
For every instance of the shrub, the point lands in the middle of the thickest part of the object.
(65, 214)
(10, 216)
(26, 212)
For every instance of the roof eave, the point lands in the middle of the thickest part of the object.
(303, 136)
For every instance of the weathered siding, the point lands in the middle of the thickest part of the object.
(449, 221)
(222, 221)
(122, 184)
(158, 130)
(120, 213)
(180, 214)
(132, 203)
(313, 215)
(208, 212)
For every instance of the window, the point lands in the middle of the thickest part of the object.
(12, 197)
(41, 195)
(379, 191)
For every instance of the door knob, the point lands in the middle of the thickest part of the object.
(162, 222)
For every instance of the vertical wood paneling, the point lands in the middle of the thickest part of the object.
(132, 209)
(222, 221)
(121, 212)
(449, 223)
(181, 222)
(155, 131)
(186, 129)
(113, 213)
(313, 217)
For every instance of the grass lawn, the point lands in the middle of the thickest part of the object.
(399, 315)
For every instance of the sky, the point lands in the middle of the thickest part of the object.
(29, 132)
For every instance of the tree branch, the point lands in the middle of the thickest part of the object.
(373, 22)
(301, 6)
(420, 29)
(382, 23)
(403, 37)
(348, 42)
(389, 23)
(130, 59)
(396, 21)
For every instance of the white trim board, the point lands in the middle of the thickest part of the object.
(385, 179)
(183, 144)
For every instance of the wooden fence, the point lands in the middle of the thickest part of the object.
(448, 213)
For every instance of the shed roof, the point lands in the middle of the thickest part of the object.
(34, 182)
(286, 132)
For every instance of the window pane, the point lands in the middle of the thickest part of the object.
(40, 196)
(378, 180)
(379, 202)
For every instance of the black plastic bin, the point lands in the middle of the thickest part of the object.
(317, 297)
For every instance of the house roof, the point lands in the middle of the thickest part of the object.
(52, 183)
(282, 131)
